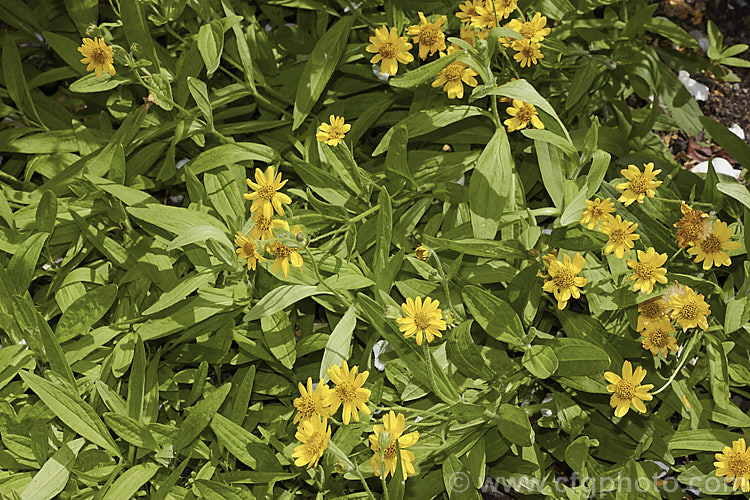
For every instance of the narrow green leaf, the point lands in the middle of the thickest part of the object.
(323, 61)
(72, 410)
(132, 480)
(490, 185)
(137, 381)
(514, 425)
(494, 315)
(279, 299)
(82, 314)
(199, 91)
(23, 263)
(278, 333)
(339, 342)
(199, 417)
(130, 430)
(51, 479)
(385, 231)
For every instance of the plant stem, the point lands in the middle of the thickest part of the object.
(342, 456)
(685, 356)
(428, 360)
(346, 226)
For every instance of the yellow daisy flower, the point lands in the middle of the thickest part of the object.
(734, 463)
(264, 225)
(421, 319)
(651, 310)
(647, 270)
(597, 211)
(639, 184)
(348, 392)
(485, 18)
(527, 52)
(389, 50)
(284, 255)
(656, 337)
(314, 435)
(689, 309)
(312, 403)
(468, 35)
(627, 390)
(247, 250)
(620, 234)
(710, 249)
(422, 252)
(533, 30)
(563, 280)
(429, 36)
(692, 227)
(333, 133)
(98, 56)
(383, 439)
(505, 8)
(267, 196)
(522, 114)
(468, 10)
(452, 77)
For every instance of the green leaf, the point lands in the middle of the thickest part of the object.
(425, 121)
(243, 445)
(736, 191)
(494, 315)
(552, 170)
(279, 299)
(22, 264)
(199, 417)
(464, 353)
(456, 480)
(72, 410)
(339, 342)
(131, 431)
(423, 73)
(540, 360)
(385, 230)
(46, 213)
(51, 479)
(490, 185)
(514, 425)
(232, 153)
(137, 381)
(136, 29)
(90, 83)
(132, 480)
(318, 69)
(579, 358)
(199, 91)
(82, 314)
(211, 45)
(736, 147)
(278, 333)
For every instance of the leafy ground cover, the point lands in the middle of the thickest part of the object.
(383, 249)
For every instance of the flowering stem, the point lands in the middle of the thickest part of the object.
(431, 414)
(695, 203)
(382, 477)
(346, 226)
(428, 360)
(685, 356)
(350, 466)
(320, 278)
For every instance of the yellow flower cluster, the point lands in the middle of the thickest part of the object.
(562, 277)
(707, 241)
(315, 406)
(423, 319)
(267, 199)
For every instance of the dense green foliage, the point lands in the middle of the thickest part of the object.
(140, 356)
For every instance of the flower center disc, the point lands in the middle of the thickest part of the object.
(689, 311)
(390, 451)
(564, 278)
(387, 50)
(711, 244)
(280, 250)
(315, 443)
(454, 72)
(307, 407)
(98, 56)
(429, 34)
(639, 184)
(525, 113)
(739, 465)
(266, 192)
(346, 392)
(421, 320)
(625, 390)
(617, 236)
(659, 338)
(644, 271)
(249, 248)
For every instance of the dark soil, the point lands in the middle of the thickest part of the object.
(728, 103)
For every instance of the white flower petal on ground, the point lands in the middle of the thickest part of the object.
(737, 130)
(380, 347)
(721, 166)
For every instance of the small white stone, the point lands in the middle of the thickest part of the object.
(737, 130)
(721, 166)
(417, 419)
(383, 77)
(697, 90)
(181, 163)
(701, 38)
(461, 180)
(380, 347)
